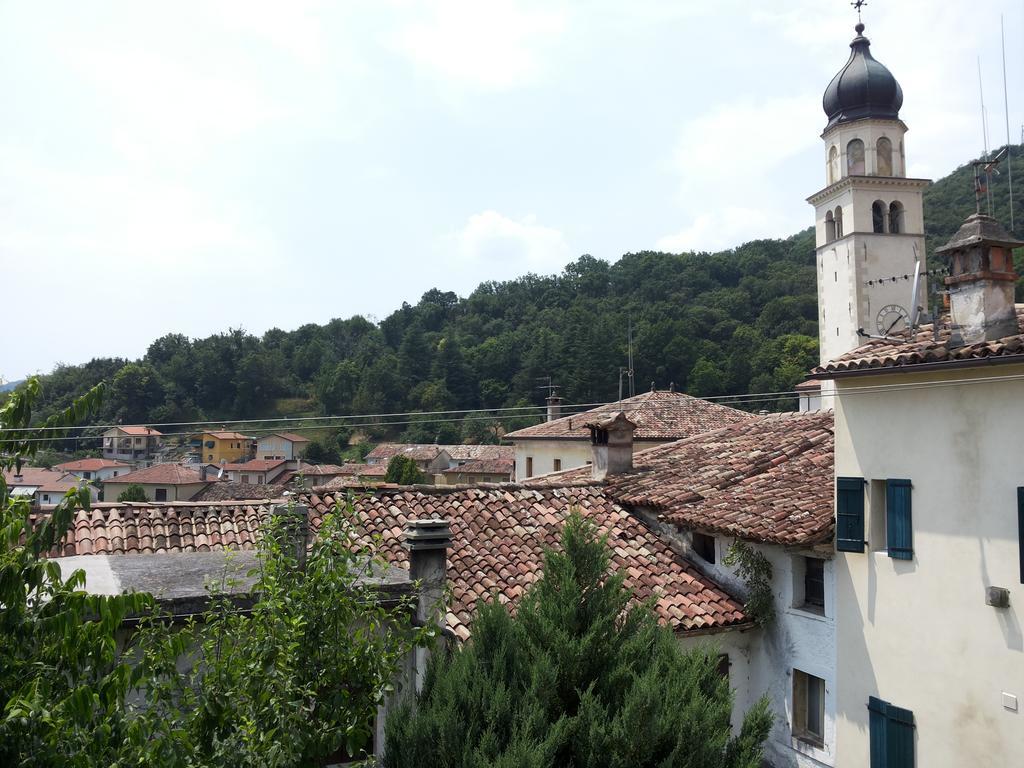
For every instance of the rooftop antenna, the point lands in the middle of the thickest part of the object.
(984, 138)
(552, 389)
(915, 310)
(629, 372)
(983, 170)
(1006, 107)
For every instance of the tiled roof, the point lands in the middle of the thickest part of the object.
(89, 465)
(415, 451)
(363, 470)
(290, 436)
(906, 349)
(255, 465)
(320, 470)
(228, 435)
(481, 452)
(657, 415)
(484, 467)
(499, 536)
(167, 474)
(228, 491)
(768, 479)
(34, 476)
(139, 431)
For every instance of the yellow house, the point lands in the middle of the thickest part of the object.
(228, 447)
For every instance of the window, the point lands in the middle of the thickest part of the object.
(87, 475)
(1020, 531)
(891, 735)
(723, 665)
(529, 466)
(46, 497)
(883, 156)
(245, 479)
(704, 546)
(814, 584)
(850, 514)
(830, 227)
(878, 212)
(833, 165)
(895, 218)
(876, 525)
(808, 708)
(898, 523)
(839, 221)
(558, 465)
(855, 158)
(160, 494)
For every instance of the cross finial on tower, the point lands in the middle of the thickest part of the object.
(858, 4)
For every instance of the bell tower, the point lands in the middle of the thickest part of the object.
(869, 219)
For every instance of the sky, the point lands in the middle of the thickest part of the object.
(192, 167)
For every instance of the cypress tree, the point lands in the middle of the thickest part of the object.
(581, 676)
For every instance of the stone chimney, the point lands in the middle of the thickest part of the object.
(294, 529)
(428, 542)
(202, 472)
(981, 281)
(611, 441)
(554, 407)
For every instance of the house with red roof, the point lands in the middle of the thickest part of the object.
(95, 469)
(161, 482)
(135, 444)
(281, 445)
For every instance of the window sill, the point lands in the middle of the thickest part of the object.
(804, 613)
(808, 740)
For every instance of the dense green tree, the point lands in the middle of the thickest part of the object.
(135, 392)
(581, 676)
(134, 492)
(403, 471)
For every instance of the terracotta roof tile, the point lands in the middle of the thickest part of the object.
(168, 474)
(228, 491)
(484, 466)
(657, 415)
(767, 479)
(138, 431)
(907, 349)
(499, 536)
(416, 451)
(89, 465)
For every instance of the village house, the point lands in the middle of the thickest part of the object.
(255, 471)
(161, 482)
(137, 445)
(95, 469)
(430, 459)
(281, 445)
(45, 487)
(563, 442)
(224, 447)
(476, 471)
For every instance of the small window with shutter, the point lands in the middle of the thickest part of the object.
(898, 522)
(891, 735)
(850, 514)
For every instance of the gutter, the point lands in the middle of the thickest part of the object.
(942, 365)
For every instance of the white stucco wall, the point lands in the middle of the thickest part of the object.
(918, 633)
(796, 639)
(573, 453)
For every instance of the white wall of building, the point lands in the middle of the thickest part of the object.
(572, 453)
(918, 633)
(274, 447)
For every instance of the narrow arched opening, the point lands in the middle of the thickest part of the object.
(878, 211)
(883, 156)
(855, 158)
(896, 217)
(833, 164)
(839, 221)
(830, 227)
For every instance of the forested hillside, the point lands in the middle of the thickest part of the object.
(739, 321)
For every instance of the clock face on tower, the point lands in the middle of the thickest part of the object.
(892, 318)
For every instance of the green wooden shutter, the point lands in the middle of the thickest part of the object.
(899, 530)
(877, 710)
(891, 735)
(899, 740)
(850, 514)
(1020, 531)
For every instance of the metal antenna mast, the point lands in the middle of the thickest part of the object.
(984, 136)
(1006, 107)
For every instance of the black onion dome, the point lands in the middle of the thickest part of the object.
(864, 88)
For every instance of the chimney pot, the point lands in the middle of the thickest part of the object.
(554, 407)
(611, 440)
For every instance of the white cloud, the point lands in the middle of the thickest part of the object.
(729, 160)
(489, 45)
(497, 243)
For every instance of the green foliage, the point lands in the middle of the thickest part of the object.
(322, 452)
(293, 681)
(403, 471)
(581, 676)
(62, 680)
(134, 492)
(756, 571)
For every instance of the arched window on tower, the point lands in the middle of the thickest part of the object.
(839, 221)
(855, 158)
(878, 212)
(903, 160)
(896, 217)
(830, 227)
(833, 165)
(883, 156)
